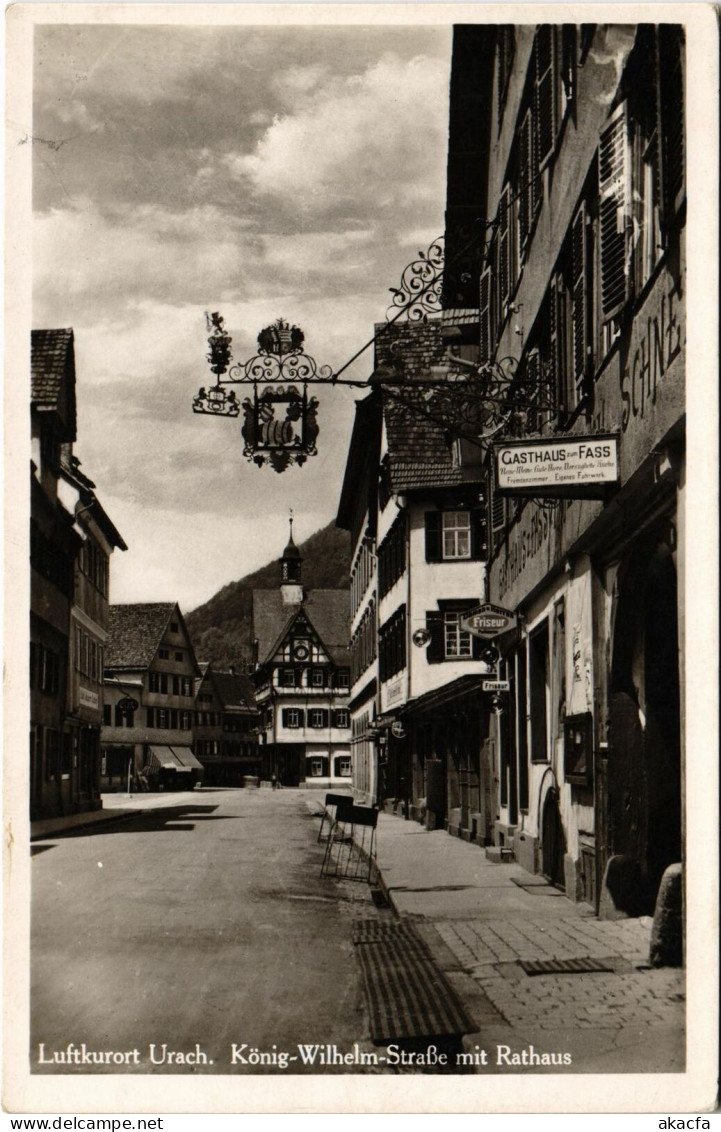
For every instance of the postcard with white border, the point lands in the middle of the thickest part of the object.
(364, 358)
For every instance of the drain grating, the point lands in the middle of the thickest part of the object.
(408, 996)
(371, 931)
(566, 966)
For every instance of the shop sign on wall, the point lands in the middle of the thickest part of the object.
(488, 620)
(571, 466)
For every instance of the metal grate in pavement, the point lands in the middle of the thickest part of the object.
(566, 966)
(408, 996)
(370, 931)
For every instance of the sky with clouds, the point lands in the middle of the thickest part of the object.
(259, 171)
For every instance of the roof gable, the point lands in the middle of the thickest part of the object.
(327, 613)
(136, 632)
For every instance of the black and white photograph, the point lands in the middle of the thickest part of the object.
(361, 601)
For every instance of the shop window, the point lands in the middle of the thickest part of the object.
(52, 754)
(558, 683)
(538, 686)
(578, 748)
(521, 726)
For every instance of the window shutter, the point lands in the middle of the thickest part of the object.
(485, 316)
(670, 88)
(433, 536)
(579, 299)
(544, 49)
(556, 352)
(434, 625)
(568, 62)
(498, 511)
(504, 246)
(286, 716)
(528, 393)
(614, 191)
(479, 534)
(324, 718)
(301, 717)
(526, 171)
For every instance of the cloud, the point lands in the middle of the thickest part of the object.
(261, 172)
(356, 142)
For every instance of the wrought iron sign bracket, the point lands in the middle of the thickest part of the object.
(280, 421)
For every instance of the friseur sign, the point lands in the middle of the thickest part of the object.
(569, 465)
(488, 620)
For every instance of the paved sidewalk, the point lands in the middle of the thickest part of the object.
(116, 807)
(483, 919)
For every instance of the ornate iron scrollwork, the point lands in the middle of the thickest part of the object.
(280, 423)
(420, 291)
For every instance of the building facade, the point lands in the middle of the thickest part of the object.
(226, 727)
(581, 278)
(149, 709)
(89, 617)
(414, 500)
(302, 679)
(71, 540)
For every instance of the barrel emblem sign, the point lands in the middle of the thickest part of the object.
(488, 620)
(127, 705)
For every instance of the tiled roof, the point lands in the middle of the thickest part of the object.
(135, 633)
(235, 690)
(418, 451)
(327, 611)
(51, 353)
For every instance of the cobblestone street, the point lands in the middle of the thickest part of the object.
(632, 995)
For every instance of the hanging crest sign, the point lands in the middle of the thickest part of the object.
(280, 423)
(488, 620)
(570, 465)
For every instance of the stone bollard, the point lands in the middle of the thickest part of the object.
(621, 890)
(667, 932)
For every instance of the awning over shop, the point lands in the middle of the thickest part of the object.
(173, 758)
(436, 698)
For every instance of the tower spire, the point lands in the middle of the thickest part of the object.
(291, 564)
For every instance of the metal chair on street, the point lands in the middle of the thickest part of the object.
(337, 801)
(350, 850)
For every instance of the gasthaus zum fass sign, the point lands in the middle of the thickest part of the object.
(564, 466)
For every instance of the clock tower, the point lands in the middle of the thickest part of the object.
(290, 585)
